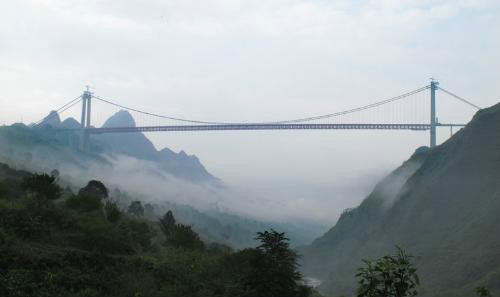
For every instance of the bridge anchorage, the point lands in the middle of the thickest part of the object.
(382, 115)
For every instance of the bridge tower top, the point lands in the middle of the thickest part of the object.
(87, 94)
(433, 120)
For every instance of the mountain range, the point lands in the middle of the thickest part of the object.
(442, 206)
(137, 145)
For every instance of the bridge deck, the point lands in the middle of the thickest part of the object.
(227, 127)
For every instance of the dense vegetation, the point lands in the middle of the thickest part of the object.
(389, 276)
(43, 149)
(442, 204)
(56, 243)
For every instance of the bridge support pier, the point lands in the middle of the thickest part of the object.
(85, 121)
(434, 86)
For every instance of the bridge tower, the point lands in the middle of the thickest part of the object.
(85, 120)
(434, 87)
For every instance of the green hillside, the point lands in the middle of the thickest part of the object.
(56, 243)
(442, 205)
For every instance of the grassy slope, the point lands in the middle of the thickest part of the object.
(446, 215)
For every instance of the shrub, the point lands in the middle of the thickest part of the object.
(94, 188)
(219, 248)
(4, 237)
(192, 273)
(24, 224)
(43, 186)
(85, 203)
(4, 190)
(388, 276)
(167, 222)
(483, 292)
(112, 211)
(140, 233)
(97, 234)
(179, 235)
(135, 208)
(11, 188)
(149, 210)
(183, 236)
(19, 282)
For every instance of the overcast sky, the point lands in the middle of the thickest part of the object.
(233, 60)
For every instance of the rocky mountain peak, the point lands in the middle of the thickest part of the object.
(120, 119)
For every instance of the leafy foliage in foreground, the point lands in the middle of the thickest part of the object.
(43, 186)
(86, 245)
(389, 276)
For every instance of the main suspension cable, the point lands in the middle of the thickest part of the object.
(275, 122)
(459, 98)
(60, 110)
(359, 108)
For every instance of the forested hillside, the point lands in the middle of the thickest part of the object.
(54, 242)
(442, 205)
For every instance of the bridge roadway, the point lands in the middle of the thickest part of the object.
(270, 126)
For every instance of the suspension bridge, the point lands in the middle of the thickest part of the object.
(414, 110)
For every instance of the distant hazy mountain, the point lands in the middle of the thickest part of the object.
(53, 120)
(137, 145)
(442, 205)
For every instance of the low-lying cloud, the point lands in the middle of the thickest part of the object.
(271, 200)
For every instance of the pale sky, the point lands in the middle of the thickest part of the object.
(233, 60)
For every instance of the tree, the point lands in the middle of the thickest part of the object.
(149, 209)
(483, 292)
(273, 269)
(183, 236)
(281, 263)
(94, 188)
(112, 211)
(389, 276)
(135, 208)
(179, 235)
(43, 186)
(55, 173)
(84, 203)
(167, 222)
